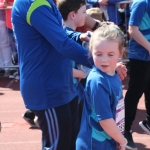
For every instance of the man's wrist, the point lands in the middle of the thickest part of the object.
(97, 24)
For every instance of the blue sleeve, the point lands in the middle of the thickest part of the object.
(74, 35)
(114, 1)
(94, 2)
(101, 100)
(109, 2)
(45, 21)
(138, 9)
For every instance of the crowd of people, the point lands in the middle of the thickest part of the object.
(70, 78)
(8, 50)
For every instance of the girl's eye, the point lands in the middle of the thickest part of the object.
(98, 54)
(110, 55)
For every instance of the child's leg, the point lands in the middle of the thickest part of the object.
(147, 101)
(145, 124)
(139, 79)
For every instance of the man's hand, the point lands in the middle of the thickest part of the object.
(122, 70)
(103, 2)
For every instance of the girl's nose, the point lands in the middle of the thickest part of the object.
(104, 58)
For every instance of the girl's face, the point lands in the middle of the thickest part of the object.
(106, 54)
(80, 16)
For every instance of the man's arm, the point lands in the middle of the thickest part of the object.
(103, 2)
(92, 23)
(138, 37)
(50, 28)
(114, 1)
(95, 2)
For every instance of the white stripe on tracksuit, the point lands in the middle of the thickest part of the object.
(53, 129)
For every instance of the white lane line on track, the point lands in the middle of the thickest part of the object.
(9, 84)
(29, 142)
(11, 111)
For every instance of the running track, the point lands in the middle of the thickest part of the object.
(16, 134)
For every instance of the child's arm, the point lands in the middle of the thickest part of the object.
(79, 74)
(85, 36)
(138, 37)
(113, 131)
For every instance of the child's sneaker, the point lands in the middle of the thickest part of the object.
(130, 144)
(15, 76)
(30, 121)
(36, 122)
(145, 125)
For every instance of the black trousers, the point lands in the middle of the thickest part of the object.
(59, 126)
(139, 83)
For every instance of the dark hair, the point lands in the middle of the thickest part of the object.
(66, 6)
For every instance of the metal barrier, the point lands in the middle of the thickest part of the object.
(13, 66)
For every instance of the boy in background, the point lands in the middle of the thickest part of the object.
(109, 8)
(74, 15)
(95, 13)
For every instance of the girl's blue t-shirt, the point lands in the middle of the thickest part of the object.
(102, 94)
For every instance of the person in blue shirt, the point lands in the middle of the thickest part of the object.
(110, 9)
(139, 55)
(102, 124)
(46, 85)
(74, 15)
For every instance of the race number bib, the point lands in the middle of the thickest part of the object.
(120, 115)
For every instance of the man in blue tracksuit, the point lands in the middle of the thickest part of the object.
(46, 85)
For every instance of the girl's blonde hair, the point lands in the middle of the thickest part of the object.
(108, 32)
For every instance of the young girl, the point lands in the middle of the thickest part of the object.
(102, 123)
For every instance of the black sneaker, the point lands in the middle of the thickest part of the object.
(130, 144)
(30, 121)
(145, 125)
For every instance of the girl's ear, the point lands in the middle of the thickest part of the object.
(71, 15)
